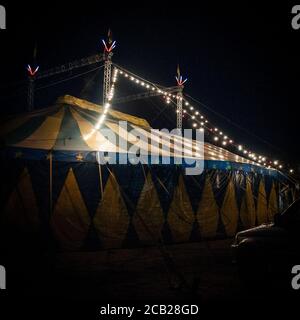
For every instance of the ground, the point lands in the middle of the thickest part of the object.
(202, 272)
(144, 274)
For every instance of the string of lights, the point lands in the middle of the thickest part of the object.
(106, 106)
(199, 121)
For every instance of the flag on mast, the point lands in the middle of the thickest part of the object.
(178, 71)
(109, 36)
(179, 79)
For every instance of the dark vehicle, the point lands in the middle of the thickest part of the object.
(268, 252)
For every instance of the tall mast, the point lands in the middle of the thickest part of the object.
(108, 48)
(32, 72)
(180, 86)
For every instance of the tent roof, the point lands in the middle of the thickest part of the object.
(65, 129)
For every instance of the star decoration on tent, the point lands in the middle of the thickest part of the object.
(79, 157)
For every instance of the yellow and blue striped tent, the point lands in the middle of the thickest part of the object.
(53, 184)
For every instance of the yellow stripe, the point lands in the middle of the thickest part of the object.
(247, 212)
(95, 141)
(45, 136)
(111, 219)
(229, 210)
(273, 206)
(70, 220)
(208, 211)
(21, 210)
(262, 208)
(148, 219)
(95, 107)
(181, 216)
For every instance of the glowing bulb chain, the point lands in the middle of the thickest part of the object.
(199, 121)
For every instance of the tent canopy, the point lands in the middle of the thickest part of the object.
(53, 184)
(65, 130)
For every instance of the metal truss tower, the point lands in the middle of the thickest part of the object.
(180, 86)
(179, 108)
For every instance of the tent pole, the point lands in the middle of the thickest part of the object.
(100, 176)
(50, 182)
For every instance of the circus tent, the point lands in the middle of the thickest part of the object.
(52, 183)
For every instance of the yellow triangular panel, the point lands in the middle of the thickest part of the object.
(148, 218)
(111, 219)
(21, 210)
(273, 205)
(262, 207)
(181, 216)
(229, 210)
(208, 211)
(247, 212)
(70, 219)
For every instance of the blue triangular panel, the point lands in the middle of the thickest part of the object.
(40, 178)
(240, 186)
(10, 174)
(165, 179)
(131, 179)
(194, 186)
(219, 181)
(88, 180)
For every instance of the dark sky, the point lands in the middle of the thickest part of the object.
(241, 59)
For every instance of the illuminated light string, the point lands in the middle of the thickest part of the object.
(167, 96)
(106, 106)
(199, 119)
(220, 135)
(261, 160)
(108, 48)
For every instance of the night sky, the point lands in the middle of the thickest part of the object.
(241, 60)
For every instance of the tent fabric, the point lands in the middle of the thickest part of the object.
(149, 217)
(229, 210)
(65, 130)
(273, 203)
(248, 206)
(208, 211)
(53, 183)
(113, 220)
(262, 208)
(180, 215)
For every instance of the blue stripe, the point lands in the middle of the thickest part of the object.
(90, 156)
